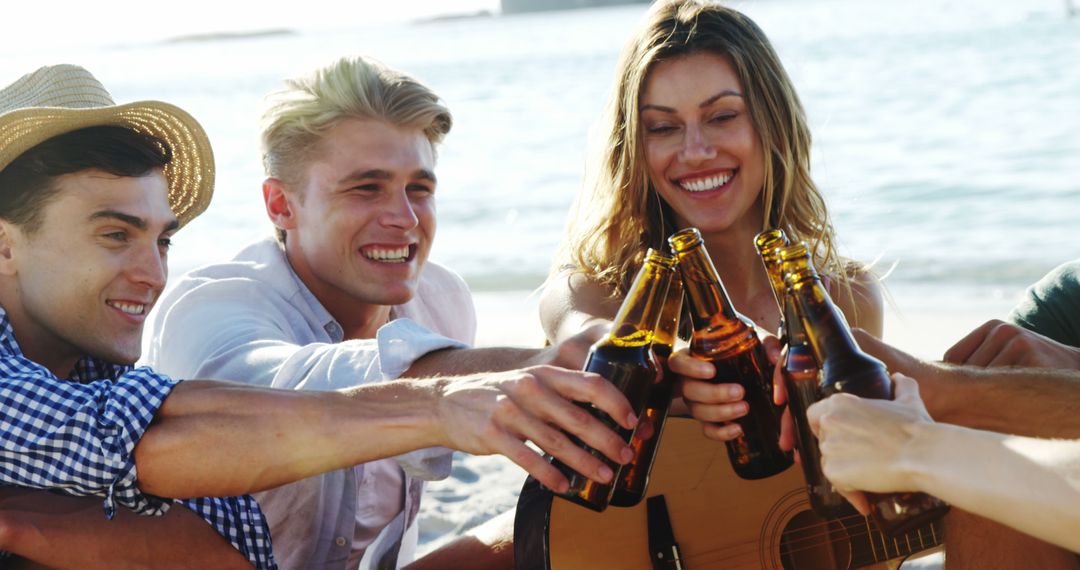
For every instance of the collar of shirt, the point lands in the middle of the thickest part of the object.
(87, 369)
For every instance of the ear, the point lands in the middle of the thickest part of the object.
(279, 205)
(9, 237)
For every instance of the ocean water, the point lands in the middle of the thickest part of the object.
(947, 132)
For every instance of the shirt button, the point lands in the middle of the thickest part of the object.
(340, 541)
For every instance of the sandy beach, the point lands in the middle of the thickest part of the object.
(482, 487)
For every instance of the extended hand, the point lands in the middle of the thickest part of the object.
(713, 404)
(864, 443)
(497, 413)
(997, 343)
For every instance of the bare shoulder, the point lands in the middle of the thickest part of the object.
(864, 304)
(569, 300)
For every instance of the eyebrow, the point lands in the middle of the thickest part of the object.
(130, 220)
(380, 174)
(702, 105)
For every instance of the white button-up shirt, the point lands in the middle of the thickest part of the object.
(253, 320)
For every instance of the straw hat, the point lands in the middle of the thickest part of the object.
(62, 98)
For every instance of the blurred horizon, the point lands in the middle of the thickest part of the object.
(119, 23)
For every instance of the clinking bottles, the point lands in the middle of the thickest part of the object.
(634, 478)
(846, 368)
(625, 357)
(801, 377)
(724, 337)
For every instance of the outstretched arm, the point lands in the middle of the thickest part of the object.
(880, 446)
(1031, 402)
(213, 438)
(59, 531)
(997, 343)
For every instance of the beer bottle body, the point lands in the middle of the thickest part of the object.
(632, 369)
(633, 481)
(756, 453)
(728, 340)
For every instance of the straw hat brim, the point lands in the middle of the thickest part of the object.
(190, 174)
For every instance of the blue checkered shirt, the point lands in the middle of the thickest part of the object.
(77, 436)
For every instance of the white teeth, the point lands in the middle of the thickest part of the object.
(392, 255)
(129, 308)
(703, 184)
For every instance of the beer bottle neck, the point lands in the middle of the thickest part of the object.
(822, 322)
(709, 302)
(793, 327)
(636, 320)
(668, 326)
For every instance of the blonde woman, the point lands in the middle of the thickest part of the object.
(704, 129)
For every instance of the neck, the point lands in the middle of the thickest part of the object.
(358, 319)
(362, 320)
(38, 345)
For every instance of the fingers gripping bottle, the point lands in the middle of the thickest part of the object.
(625, 358)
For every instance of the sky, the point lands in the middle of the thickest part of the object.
(78, 22)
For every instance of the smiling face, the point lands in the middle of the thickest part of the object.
(703, 153)
(83, 281)
(359, 230)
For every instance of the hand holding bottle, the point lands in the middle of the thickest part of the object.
(868, 444)
(715, 405)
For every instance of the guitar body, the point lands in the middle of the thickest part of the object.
(719, 521)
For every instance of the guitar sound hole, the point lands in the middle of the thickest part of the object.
(811, 542)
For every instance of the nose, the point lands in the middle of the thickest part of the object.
(149, 266)
(398, 212)
(696, 146)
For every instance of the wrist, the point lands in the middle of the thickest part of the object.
(916, 459)
(935, 381)
(436, 425)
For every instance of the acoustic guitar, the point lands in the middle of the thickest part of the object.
(718, 520)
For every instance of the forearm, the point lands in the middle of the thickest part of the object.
(223, 439)
(67, 532)
(1032, 485)
(1022, 401)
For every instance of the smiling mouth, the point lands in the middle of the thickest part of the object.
(706, 183)
(136, 309)
(402, 254)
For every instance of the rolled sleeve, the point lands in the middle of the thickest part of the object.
(79, 438)
(402, 342)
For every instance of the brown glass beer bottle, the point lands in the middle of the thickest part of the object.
(801, 375)
(728, 340)
(634, 479)
(846, 368)
(625, 358)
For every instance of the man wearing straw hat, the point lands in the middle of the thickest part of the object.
(90, 196)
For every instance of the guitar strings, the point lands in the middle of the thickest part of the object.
(751, 548)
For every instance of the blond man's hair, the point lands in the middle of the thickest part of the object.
(297, 117)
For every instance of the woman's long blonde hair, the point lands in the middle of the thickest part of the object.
(620, 214)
